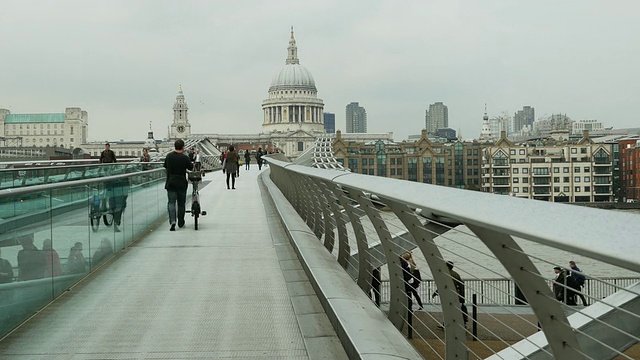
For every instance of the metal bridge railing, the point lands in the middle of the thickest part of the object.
(369, 223)
(503, 291)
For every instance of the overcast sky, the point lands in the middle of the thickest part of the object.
(122, 61)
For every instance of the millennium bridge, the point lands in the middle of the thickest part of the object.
(301, 262)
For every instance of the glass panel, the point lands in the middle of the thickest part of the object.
(50, 239)
(25, 221)
(64, 241)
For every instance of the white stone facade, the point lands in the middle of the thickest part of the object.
(67, 130)
(293, 103)
(180, 127)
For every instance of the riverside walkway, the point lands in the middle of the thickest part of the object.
(232, 289)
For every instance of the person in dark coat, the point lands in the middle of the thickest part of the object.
(247, 159)
(31, 261)
(459, 285)
(6, 270)
(561, 287)
(412, 278)
(107, 155)
(176, 164)
(75, 262)
(231, 166)
(578, 281)
(259, 158)
(104, 252)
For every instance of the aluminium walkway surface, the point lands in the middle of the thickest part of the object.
(232, 289)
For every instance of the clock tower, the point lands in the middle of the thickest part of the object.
(180, 128)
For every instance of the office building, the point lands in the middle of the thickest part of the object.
(356, 117)
(68, 129)
(524, 117)
(437, 117)
(329, 123)
(456, 164)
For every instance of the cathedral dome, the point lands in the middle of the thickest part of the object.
(293, 75)
(293, 103)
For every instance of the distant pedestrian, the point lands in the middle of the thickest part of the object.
(247, 159)
(238, 163)
(231, 166)
(376, 281)
(561, 289)
(76, 263)
(459, 287)
(31, 261)
(6, 270)
(198, 161)
(104, 252)
(412, 278)
(579, 280)
(259, 158)
(107, 155)
(52, 260)
(145, 155)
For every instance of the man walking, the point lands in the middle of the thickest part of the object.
(198, 161)
(116, 191)
(579, 280)
(459, 286)
(176, 164)
(107, 155)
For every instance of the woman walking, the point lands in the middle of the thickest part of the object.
(412, 278)
(231, 166)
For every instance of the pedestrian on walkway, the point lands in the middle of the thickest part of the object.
(231, 166)
(459, 286)
(52, 260)
(412, 278)
(561, 287)
(31, 261)
(176, 164)
(259, 158)
(247, 159)
(376, 281)
(578, 281)
(76, 263)
(6, 270)
(107, 155)
(238, 163)
(198, 162)
(103, 252)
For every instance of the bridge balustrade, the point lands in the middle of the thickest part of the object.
(72, 235)
(369, 222)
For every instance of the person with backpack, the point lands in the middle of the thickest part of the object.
(578, 280)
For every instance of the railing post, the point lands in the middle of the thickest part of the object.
(329, 236)
(559, 334)
(474, 316)
(455, 332)
(364, 259)
(392, 254)
(344, 250)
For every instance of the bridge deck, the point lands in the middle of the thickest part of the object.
(234, 288)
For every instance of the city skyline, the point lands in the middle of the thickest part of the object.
(122, 62)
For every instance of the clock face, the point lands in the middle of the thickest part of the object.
(180, 128)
